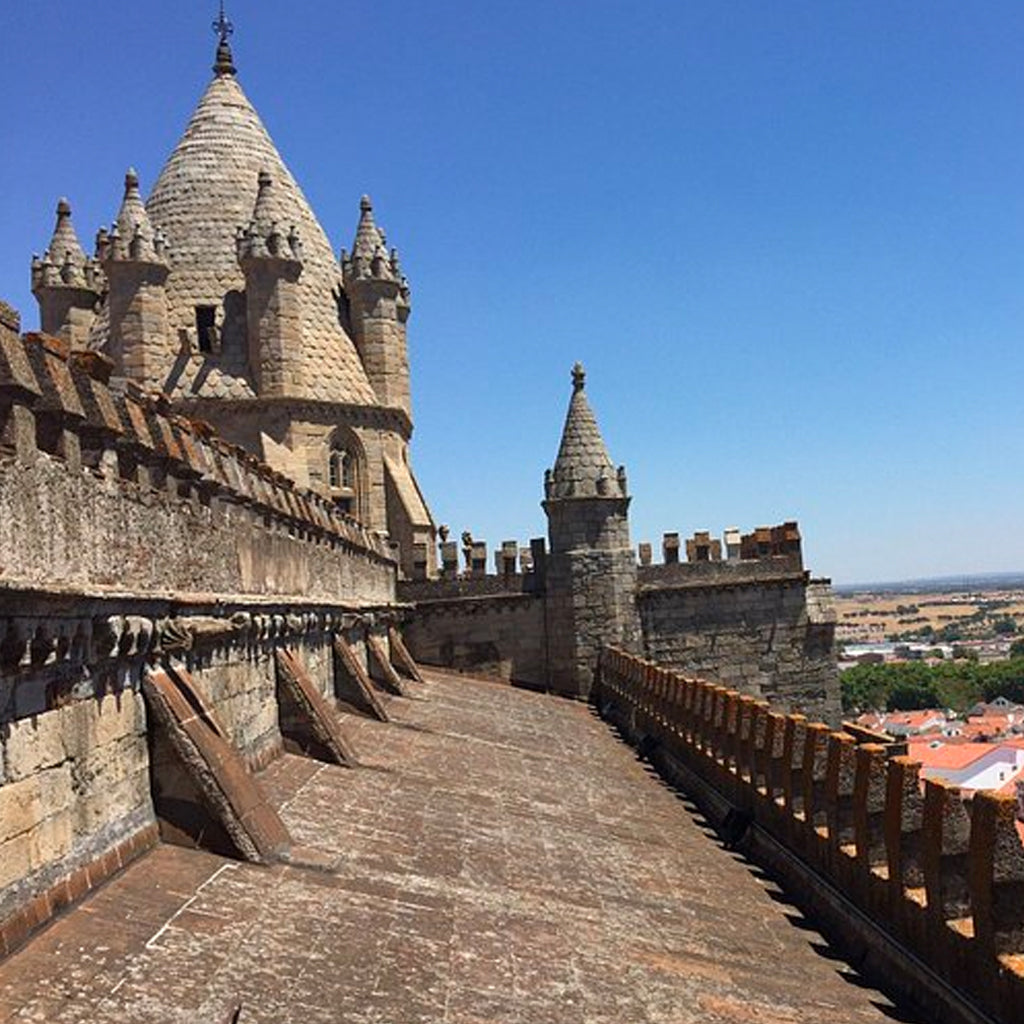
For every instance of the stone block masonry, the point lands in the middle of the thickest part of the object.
(101, 489)
(768, 635)
(134, 540)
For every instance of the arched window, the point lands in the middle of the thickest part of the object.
(341, 471)
(343, 474)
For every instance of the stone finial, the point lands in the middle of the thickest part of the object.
(579, 377)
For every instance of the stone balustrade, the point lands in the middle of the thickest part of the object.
(943, 877)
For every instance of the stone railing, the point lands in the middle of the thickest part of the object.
(939, 877)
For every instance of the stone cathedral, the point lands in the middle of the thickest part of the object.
(221, 290)
(215, 559)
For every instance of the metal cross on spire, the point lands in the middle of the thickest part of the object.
(224, 65)
(222, 26)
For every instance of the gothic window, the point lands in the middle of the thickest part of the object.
(342, 476)
(341, 470)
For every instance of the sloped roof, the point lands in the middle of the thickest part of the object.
(582, 458)
(204, 193)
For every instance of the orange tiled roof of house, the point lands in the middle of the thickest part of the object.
(949, 755)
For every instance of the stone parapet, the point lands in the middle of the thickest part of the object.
(721, 573)
(110, 481)
(420, 591)
(941, 878)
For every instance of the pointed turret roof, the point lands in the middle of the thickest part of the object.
(64, 243)
(135, 235)
(583, 468)
(369, 239)
(204, 193)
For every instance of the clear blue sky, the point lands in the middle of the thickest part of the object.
(786, 238)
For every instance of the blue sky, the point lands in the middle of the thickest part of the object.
(786, 238)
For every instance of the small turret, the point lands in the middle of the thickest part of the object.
(67, 284)
(133, 255)
(591, 575)
(379, 306)
(270, 254)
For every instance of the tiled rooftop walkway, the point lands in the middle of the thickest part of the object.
(502, 858)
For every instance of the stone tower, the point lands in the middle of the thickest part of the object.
(67, 284)
(591, 573)
(133, 257)
(378, 297)
(245, 317)
(270, 256)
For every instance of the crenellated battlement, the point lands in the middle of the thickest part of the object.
(775, 548)
(941, 876)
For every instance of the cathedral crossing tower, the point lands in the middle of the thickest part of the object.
(222, 290)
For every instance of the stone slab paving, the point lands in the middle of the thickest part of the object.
(500, 857)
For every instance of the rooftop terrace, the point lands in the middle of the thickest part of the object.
(501, 856)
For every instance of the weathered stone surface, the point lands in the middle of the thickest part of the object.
(511, 861)
(76, 781)
(767, 637)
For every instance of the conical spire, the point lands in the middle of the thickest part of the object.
(64, 264)
(583, 468)
(224, 63)
(132, 236)
(205, 191)
(268, 233)
(64, 246)
(370, 257)
(369, 238)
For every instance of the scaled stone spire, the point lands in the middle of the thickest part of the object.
(369, 256)
(268, 233)
(132, 236)
(583, 468)
(64, 263)
(65, 245)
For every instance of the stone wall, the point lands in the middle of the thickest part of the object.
(497, 635)
(101, 488)
(770, 634)
(131, 538)
(74, 783)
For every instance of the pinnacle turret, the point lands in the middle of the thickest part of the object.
(132, 236)
(64, 263)
(67, 284)
(583, 468)
(268, 235)
(378, 309)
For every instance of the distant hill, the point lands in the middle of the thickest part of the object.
(940, 584)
